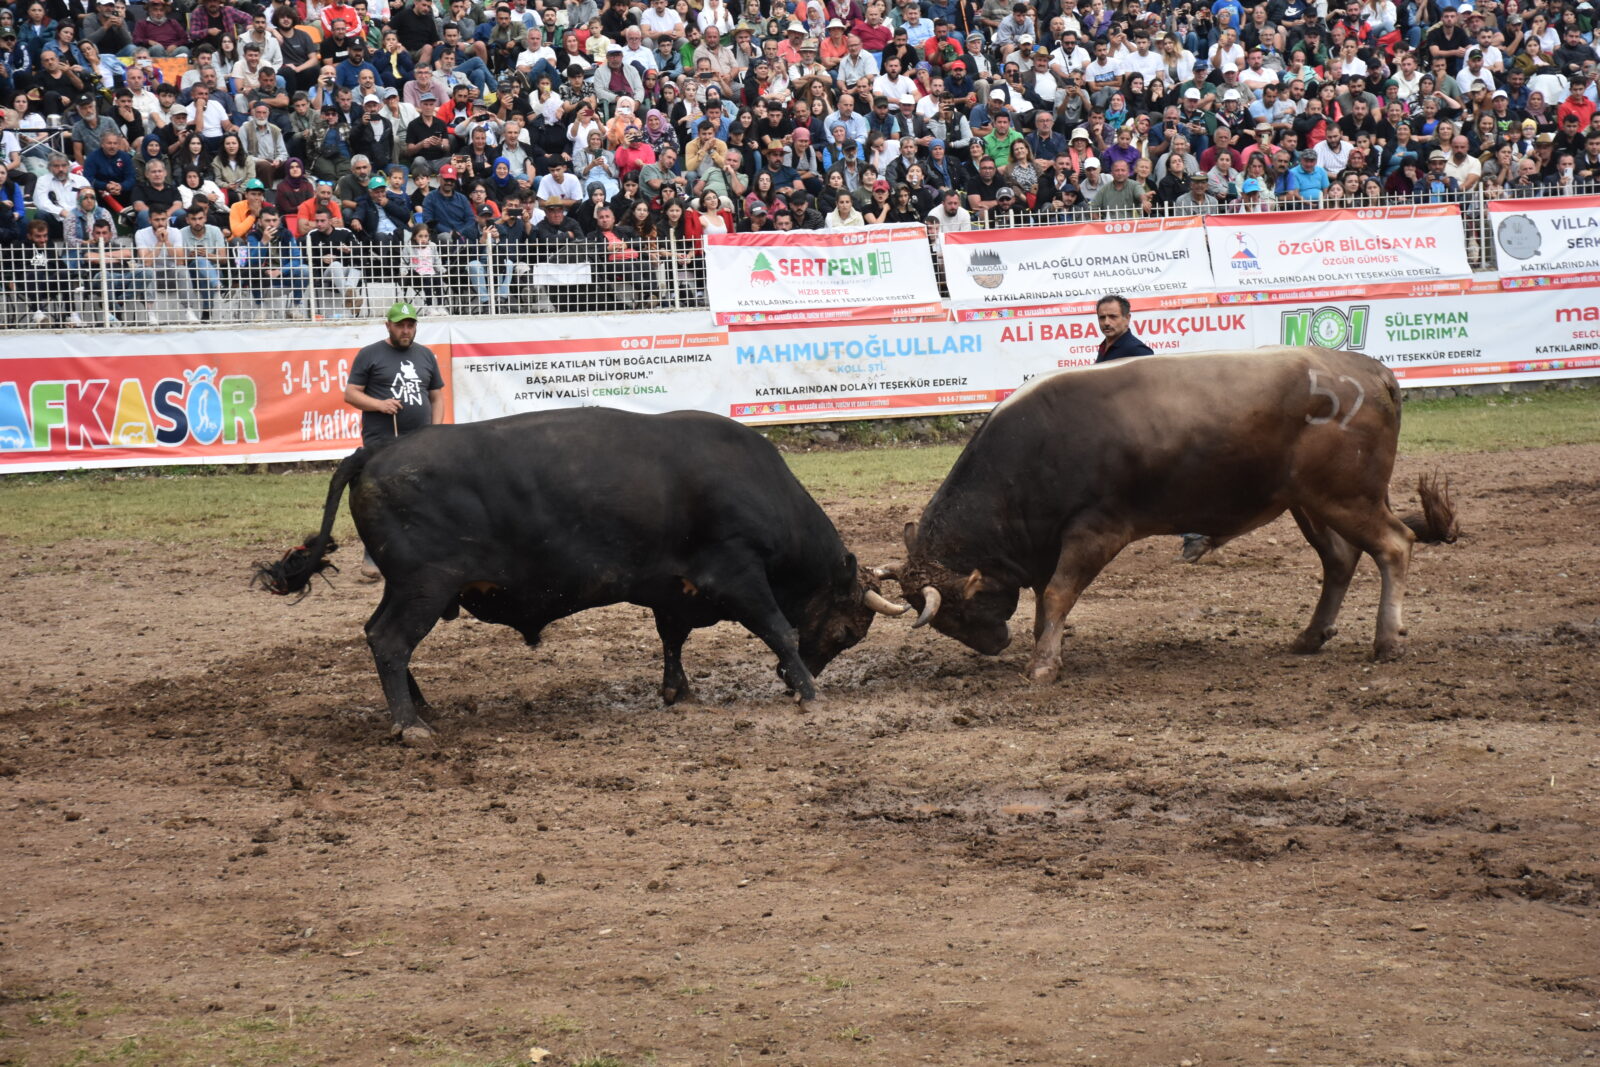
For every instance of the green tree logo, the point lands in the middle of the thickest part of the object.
(761, 273)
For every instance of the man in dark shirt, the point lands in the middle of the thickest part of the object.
(1448, 40)
(1114, 313)
(395, 384)
(427, 135)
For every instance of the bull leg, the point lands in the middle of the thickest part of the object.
(674, 683)
(740, 588)
(1038, 612)
(393, 633)
(1084, 554)
(415, 690)
(1339, 558)
(1375, 530)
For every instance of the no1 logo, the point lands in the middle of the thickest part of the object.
(1327, 327)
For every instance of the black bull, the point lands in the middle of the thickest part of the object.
(528, 519)
(1075, 466)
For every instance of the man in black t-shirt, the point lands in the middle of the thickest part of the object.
(395, 384)
(1447, 40)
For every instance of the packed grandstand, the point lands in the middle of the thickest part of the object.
(169, 162)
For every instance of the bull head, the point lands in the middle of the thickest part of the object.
(972, 608)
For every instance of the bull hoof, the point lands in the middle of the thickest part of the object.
(1388, 651)
(1311, 641)
(807, 704)
(417, 737)
(682, 694)
(418, 733)
(1043, 674)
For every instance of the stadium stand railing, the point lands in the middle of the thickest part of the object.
(76, 283)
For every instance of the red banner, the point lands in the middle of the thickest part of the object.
(122, 401)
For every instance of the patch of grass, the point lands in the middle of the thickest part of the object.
(199, 505)
(695, 990)
(57, 1009)
(852, 1033)
(560, 1024)
(602, 1060)
(868, 473)
(1500, 423)
(228, 509)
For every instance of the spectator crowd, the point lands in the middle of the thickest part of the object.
(575, 152)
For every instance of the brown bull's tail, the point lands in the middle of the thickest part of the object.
(1437, 521)
(293, 573)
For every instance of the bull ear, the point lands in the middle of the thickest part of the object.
(972, 585)
(910, 536)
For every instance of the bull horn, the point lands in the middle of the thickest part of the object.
(883, 606)
(891, 571)
(930, 607)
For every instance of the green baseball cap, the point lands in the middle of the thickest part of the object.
(253, 183)
(402, 310)
(377, 183)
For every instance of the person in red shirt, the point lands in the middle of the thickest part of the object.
(353, 26)
(942, 47)
(634, 154)
(1576, 102)
(875, 34)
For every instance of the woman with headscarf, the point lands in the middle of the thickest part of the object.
(293, 189)
(149, 148)
(657, 131)
(1406, 180)
(621, 122)
(502, 180)
(591, 163)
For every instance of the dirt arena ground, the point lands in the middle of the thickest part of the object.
(1195, 849)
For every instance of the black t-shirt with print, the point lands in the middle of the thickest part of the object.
(381, 371)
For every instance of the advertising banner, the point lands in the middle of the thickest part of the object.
(876, 272)
(1553, 241)
(1476, 338)
(1065, 269)
(1287, 255)
(128, 400)
(637, 362)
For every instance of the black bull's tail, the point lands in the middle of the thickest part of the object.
(293, 573)
(1437, 521)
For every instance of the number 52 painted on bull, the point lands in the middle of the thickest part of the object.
(1318, 389)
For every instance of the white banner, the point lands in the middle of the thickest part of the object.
(1067, 268)
(875, 272)
(1479, 337)
(1547, 237)
(643, 363)
(1399, 251)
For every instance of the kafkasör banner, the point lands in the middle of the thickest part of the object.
(875, 272)
(1065, 269)
(1416, 250)
(1552, 241)
(129, 400)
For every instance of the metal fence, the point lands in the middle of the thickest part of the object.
(167, 278)
(177, 278)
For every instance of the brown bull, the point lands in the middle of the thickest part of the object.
(1077, 465)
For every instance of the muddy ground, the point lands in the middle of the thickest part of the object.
(1196, 848)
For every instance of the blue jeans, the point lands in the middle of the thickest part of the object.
(206, 280)
(480, 279)
(476, 72)
(294, 279)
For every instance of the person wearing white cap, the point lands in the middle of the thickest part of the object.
(373, 136)
(1090, 180)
